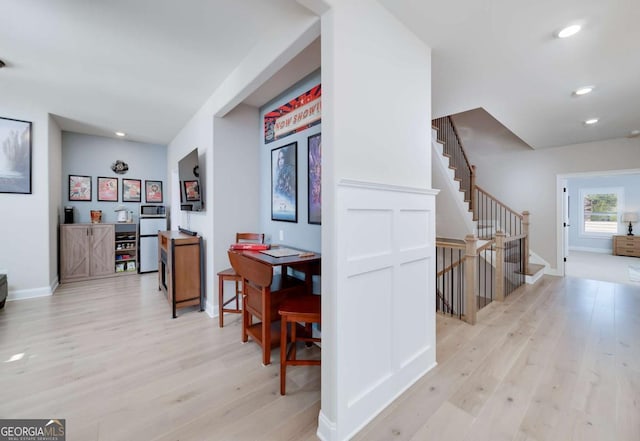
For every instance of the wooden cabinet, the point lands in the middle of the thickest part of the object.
(180, 269)
(626, 246)
(86, 251)
(126, 249)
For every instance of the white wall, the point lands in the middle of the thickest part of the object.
(236, 183)
(383, 98)
(526, 179)
(25, 231)
(93, 156)
(55, 179)
(376, 131)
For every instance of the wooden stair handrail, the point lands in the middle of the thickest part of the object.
(506, 207)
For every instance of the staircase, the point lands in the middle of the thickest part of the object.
(493, 257)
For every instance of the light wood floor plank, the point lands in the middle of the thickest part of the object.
(559, 360)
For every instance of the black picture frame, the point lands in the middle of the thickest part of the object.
(153, 191)
(314, 179)
(15, 156)
(284, 183)
(107, 189)
(80, 188)
(131, 190)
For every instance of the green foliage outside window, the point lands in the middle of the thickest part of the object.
(601, 207)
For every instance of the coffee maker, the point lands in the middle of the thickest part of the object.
(68, 215)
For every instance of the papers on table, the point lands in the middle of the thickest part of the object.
(281, 252)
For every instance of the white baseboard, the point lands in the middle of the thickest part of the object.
(326, 428)
(592, 250)
(210, 310)
(23, 294)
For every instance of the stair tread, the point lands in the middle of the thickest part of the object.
(534, 268)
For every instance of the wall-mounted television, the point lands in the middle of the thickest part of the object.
(191, 198)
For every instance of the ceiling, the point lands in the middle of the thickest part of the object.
(146, 66)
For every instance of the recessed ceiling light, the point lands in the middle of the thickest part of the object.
(583, 90)
(591, 121)
(569, 31)
(121, 134)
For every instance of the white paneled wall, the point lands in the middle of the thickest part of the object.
(386, 318)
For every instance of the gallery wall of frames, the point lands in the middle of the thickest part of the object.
(108, 174)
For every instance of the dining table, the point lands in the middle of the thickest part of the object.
(302, 261)
(294, 262)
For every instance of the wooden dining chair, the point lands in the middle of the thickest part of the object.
(262, 294)
(229, 274)
(294, 311)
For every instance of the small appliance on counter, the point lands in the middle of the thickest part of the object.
(68, 214)
(123, 214)
(153, 211)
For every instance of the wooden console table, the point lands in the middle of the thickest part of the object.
(180, 269)
(626, 246)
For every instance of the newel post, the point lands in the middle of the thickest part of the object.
(525, 248)
(499, 263)
(470, 279)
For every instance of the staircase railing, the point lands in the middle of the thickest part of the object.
(450, 270)
(469, 277)
(466, 277)
(510, 263)
(492, 215)
(452, 147)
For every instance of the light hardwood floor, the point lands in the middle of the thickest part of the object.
(559, 360)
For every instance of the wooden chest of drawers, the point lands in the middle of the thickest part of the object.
(626, 246)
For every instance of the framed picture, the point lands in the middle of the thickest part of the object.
(284, 183)
(192, 190)
(107, 189)
(314, 157)
(153, 191)
(131, 190)
(79, 188)
(15, 156)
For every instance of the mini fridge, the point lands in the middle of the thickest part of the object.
(148, 250)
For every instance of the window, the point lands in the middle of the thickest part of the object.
(600, 211)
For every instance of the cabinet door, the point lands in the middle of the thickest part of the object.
(74, 252)
(102, 250)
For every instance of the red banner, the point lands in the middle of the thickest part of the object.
(298, 114)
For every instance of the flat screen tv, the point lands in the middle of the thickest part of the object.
(191, 198)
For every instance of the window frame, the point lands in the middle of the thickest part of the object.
(619, 192)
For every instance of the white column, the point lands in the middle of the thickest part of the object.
(378, 231)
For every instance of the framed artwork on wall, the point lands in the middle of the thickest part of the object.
(284, 183)
(314, 157)
(79, 188)
(107, 189)
(153, 191)
(192, 191)
(131, 190)
(15, 156)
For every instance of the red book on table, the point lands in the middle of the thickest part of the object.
(249, 246)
